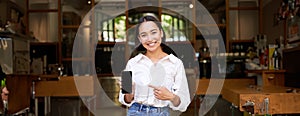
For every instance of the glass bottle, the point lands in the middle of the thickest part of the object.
(276, 59)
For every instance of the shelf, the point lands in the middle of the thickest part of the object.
(109, 43)
(243, 8)
(9, 34)
(106, 43)
(178, 42)
(294, 39)
(75, 26)
(43, 43)
(43, 10)
(241, 41)
(211, 25)
(71, 26)
(76, 59)
(265, 71)
(291, 50)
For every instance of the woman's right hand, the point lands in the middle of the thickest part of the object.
(128, 98)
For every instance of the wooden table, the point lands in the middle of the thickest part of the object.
(280, 102)
(238, 91)
(203, 85)
(66, 86)
(215, 86)
(69, 86)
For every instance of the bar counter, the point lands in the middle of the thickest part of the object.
(280, 102)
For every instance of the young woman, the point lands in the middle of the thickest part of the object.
(148, 99)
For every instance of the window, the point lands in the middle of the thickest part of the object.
(174, 27)
(113, 30)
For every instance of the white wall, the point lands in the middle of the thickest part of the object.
(44, 25)
(243, 24)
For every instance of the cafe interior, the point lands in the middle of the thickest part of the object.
(65, 57)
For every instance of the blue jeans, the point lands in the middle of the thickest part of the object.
(137, 109)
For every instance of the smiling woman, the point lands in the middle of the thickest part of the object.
(154, 91)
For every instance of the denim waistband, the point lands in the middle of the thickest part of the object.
(147, 108)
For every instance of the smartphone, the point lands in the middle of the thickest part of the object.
(126, 82)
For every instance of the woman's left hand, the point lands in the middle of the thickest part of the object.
(162, 93)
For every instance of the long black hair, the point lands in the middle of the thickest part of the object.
(140, 48)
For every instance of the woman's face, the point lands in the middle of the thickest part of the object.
(150, 35)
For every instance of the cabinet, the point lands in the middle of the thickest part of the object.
(42, 24)
(245, 22)
(77, 37)
(14, 50)
(43, 57)
(211, 26)
(269, 77)
(54, 24)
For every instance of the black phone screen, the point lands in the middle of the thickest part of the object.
(126, 82)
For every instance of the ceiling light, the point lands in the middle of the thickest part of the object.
(191, 5)
(89, 2)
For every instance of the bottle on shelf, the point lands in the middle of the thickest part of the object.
(261, 57)
(266, 58)
(276, 59)
(204, 60)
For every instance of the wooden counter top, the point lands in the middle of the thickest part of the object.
(280, 102)
(216, 85)
(265, 71)
(238, 91)
(66, 86)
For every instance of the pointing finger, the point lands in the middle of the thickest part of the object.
(154, 87)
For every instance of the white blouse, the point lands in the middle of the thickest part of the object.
(174, 79)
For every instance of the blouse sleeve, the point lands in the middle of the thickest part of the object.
(181, 89)
(121, 99)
